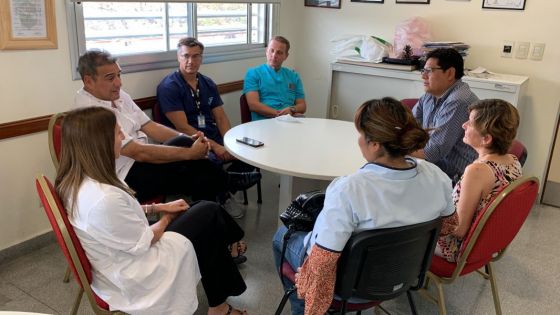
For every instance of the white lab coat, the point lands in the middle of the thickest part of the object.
(128, 273)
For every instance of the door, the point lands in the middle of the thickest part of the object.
(551, 190)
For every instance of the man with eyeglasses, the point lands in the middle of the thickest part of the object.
(190, 102)
(443, 108)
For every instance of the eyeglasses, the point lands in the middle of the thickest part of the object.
(195, 57)
(429, 71)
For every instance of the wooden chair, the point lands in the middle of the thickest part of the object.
(379, 265)
(70, 246)
(488, 238)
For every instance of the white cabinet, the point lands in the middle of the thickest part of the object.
(351, 85)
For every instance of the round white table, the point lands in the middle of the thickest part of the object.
(307, 152)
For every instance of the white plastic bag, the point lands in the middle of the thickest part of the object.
(373, 49)
(345, 46)
(413, 32)
(360, 48)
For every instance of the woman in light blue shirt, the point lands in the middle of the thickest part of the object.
(390, 190)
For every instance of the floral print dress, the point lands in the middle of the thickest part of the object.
(504, 174)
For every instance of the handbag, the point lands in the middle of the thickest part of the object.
(303, 211)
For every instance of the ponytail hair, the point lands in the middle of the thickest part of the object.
(388, 122)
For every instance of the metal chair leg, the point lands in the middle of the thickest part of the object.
(67, 275)
(76, 305)
(494, 286)
(284, 300)
(259, 193)
(411, 302)
(441, 299)
(245, 201)
(343, 308)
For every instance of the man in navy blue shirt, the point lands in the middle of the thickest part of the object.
(191, 102)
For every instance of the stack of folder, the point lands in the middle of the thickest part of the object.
(461, 47)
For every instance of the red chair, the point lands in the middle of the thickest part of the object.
(55, 137)
(70, 246)
(491, 233)
(245, 111)
(246, 117)
(156, 113)
(409, 102)
(518, 149)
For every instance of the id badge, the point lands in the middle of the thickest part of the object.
(201, 121)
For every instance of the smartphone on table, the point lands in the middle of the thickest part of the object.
(251, 142)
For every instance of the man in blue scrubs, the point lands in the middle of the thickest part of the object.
(273, 90)
(190, 101)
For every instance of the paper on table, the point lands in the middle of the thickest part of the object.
(288, 118)
(480, 72)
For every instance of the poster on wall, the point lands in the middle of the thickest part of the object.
(332, 4)
(27, 24)
(504, 4)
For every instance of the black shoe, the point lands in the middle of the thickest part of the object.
(239, 259)
(242, 181)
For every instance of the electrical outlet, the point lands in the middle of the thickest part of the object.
(334, 111)
(507, 48)
(522, 50)
(537, 52)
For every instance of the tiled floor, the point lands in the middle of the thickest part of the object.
(528, 276)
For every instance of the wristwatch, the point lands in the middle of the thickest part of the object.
(293, 109)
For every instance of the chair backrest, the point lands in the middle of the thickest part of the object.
(379, 265)
(55, 137)
(68, 241)
(244, 108)
(497, 225)
(518, 149)
(409, 102)
(156, 113)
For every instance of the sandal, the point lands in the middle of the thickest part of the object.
(241, 247)
(237, 250)
(231, 310)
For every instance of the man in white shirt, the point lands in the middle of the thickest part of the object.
(181, 167)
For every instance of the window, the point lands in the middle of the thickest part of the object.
(144, 35)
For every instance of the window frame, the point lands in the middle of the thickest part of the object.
(163, 60)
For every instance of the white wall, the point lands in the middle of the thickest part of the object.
(484, 30)
(36, 83)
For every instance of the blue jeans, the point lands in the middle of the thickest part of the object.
(295, 255)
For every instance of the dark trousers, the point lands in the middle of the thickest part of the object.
(210, 229)
(200, 179)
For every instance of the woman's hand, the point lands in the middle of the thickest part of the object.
(173, 206)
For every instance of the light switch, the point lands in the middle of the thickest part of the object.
(538, 51)
(522, 50)
(507, 48)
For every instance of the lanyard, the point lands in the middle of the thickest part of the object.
(195, 95)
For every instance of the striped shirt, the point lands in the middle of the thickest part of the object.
(446, 116)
